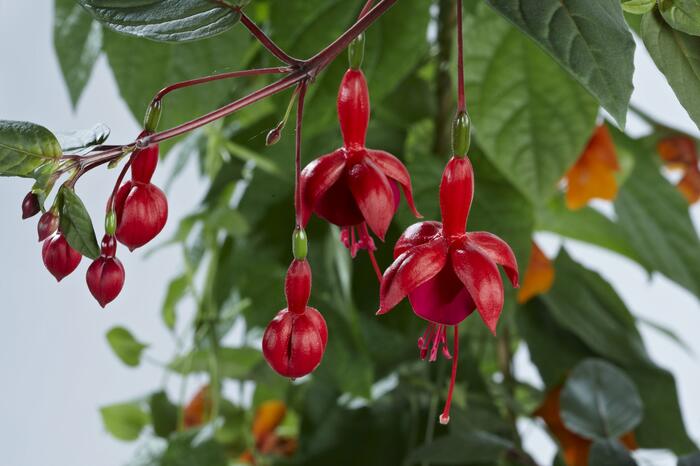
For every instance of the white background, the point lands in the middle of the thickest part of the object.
(56, 366)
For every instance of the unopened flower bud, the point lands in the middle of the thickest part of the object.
(30, 205)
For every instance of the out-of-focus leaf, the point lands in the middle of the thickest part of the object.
(530, 117)
(234, 363)
(177, 289)
(124, 421)
(590, 40)
(476, 448)
(638, 7)
(682, 15)
(76, 225)
(610, 453)
(78, 42)
(690, 460)
(125, 346)
(677, 55)
(599, 401)
(163, 414)
(194, 448)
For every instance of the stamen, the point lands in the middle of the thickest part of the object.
(445, 416)
(424, 341)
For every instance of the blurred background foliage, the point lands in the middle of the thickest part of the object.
(535, 99)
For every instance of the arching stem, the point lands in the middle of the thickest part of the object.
(461, 101)
(298, 205)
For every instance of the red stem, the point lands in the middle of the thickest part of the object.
(234, 74)
(445, 416)
(461, 105)
(266, 42)
(375, 265)
(117, 184)
(366, 8)
(298, 205)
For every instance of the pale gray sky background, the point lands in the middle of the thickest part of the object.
(57, 368)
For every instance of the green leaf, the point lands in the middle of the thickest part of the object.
(162, 20)
(124, 421)
(638, 7)
(530, 117)
(78, 42)
(24, 147)
(677, 55)
(682, 15)
(83, 139)
(463, 448)
(164, 414)
(586, 225)
(590, 40)
(657, 224)
(177, 289)
(599, 401)
(125, 346)
(194, 448)
(610, 453)
(234, 363)
(76, 225)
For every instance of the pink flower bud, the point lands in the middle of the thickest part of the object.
(105, 279)
(59, 258)
(48, 224)
(30, 205)
(142, 210)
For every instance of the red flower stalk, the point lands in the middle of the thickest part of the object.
(59, 258)
(295, 340)
(105, 276)
(446, 272)
(142, 210)
(355, 187)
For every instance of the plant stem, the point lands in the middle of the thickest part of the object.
(462, 104)
(298, 205)
(375, 266)
(366, 8)
(443, 88)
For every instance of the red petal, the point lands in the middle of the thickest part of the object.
(415, 235)
(317, 177)
(483, 281)
(373, 195)
(353, 108)
(456, 194)
(297, 286)
(394, 169)
(498, 251)
(410, 270)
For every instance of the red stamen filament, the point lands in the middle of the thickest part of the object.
(445, 416)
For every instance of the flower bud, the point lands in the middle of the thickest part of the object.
(142, 210)
(293, 344)
(356, 52)
(30, 205)
(274, 135)
(461, 134)
(105, 279)
(48, 224)
(152, 118)
(144, 162)
(300, 246)
(59, 258)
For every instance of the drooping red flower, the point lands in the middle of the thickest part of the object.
(447, 272)
(294, 342)
(59, 257)
(105, 276)
(142, 210)
(355, 187)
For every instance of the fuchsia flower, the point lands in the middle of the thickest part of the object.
(445, 271)
(355, 187)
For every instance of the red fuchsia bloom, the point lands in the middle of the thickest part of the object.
(295, 340)
(355, 187)
(105, 276)
(59, 258)
(48, 224)
(142, 210)
(446, 272)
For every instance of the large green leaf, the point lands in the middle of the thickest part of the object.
(125, 346)
(234, 363)
(78, 42)
(124, 421)
(610, 453)
(599, 401)
(590, 39)
(164, 20)
(682, 15)
(586, 225)
(24, 147)
(76, 225)
(476, 448)
(678, 57)
(657, 224)
(638, 7)
(530, 117)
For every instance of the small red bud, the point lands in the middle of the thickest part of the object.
(105, 278)
(59, 258)
(274, 135)
(109, 246)
(30, 205)
(144, 162)
(297, 286)
(142, 210)
(293, 344)
(48, 224)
